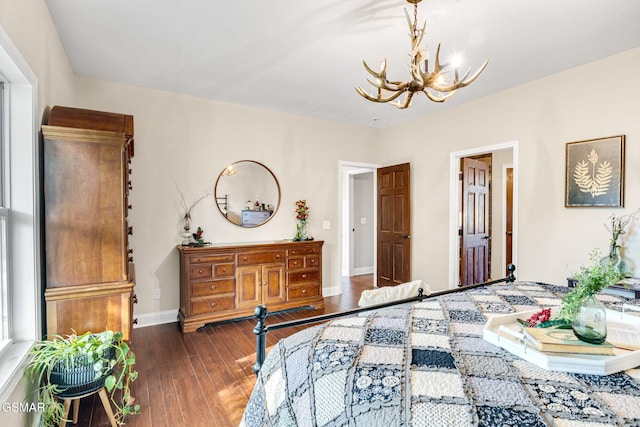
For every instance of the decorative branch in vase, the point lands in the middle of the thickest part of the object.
(186, 218)
(618, 227)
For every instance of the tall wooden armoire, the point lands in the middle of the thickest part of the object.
(89, 265)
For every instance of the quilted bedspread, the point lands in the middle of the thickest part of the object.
(426, 364)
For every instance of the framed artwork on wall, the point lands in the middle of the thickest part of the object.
(594, 172)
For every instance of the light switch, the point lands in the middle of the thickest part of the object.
(363, 220)
(326, 224)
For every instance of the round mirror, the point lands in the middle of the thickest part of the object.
(247, 193)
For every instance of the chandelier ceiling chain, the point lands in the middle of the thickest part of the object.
(432, 84)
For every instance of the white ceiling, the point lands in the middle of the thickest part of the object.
(305, 57)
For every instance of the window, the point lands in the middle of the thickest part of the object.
(4, 225)
(19, 216)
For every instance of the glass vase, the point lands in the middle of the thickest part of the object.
(590, 321)
(616, 259)
(301, 231)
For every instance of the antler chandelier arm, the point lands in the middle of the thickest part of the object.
(460, 83)
(381, 83)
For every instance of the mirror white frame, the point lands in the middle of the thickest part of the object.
(247, 193)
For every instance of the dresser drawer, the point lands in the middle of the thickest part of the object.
(211, 259)
(248, 258)
(304, 251)
(216, 287)
(212, 305)
(224, 270)
(303, 277)
(312, 260)
(202, 271)
(304, 291)
(295, 263)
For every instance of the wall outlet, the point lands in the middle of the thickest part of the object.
(326, 224)
(156, 293)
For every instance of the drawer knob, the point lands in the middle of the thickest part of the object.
(213, 287)
(200, 271)
(278, 256)
(312, 261)
(213, 305)
(304, 276)
(304, 291)
(244, 258)
(295, 263)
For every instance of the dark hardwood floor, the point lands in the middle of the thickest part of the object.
(204, 378)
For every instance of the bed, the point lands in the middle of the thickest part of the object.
(425, 363)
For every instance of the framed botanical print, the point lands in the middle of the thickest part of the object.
(594, 172)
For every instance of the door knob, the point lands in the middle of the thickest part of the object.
(486, 237)
(405, 236)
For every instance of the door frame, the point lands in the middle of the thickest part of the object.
(454, 203)
(506, 166)
(346, 169)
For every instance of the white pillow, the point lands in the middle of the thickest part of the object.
(391, 293)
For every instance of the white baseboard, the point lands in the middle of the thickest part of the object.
(362, 270)
(158, 318)
(331, 291)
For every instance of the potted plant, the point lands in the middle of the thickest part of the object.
(591, 279)
(580, 310)
(76, 365)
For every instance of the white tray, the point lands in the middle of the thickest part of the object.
(504, 331)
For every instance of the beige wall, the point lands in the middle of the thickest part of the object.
(595, 100)
(29, 25)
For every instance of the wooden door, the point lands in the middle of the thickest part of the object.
(273, 289)
(509, 220)
(394, 225)
(475, 222)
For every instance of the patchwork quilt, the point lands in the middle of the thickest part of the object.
(426, 364)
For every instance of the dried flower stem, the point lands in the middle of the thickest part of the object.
(618, 226)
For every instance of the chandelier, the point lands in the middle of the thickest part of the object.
(432, 83)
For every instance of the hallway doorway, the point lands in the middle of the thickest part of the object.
(503, 156)
(357, 219)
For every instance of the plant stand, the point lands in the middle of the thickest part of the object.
(76, 406)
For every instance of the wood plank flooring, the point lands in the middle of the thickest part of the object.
(204, 378)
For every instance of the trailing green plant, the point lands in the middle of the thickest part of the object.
(591, 279)
(106, 352)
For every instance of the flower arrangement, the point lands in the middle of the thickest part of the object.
(302, 214)
(302, 210)
(539, 318)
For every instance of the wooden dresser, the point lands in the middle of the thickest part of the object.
(89, 265)
(222, 282)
